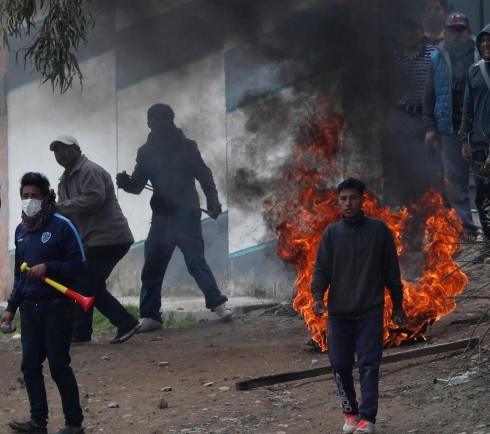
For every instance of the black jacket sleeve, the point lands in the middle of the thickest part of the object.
(392, 271)
(321, 270)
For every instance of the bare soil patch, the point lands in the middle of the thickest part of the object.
(183, 380)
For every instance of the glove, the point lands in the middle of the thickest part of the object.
(214, 211)
(123, 180)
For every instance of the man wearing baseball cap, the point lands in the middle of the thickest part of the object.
(86, 195)
(65, 139)
(442, 111)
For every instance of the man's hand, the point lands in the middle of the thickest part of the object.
(123, 180)
(6, 325)
(214, 211)
(37, 272)
(399, 317)
(319, 307)
(467, 152)
(432, 140)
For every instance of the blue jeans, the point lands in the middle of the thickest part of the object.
(363, 337)
(46, 333)
(101, 260)
(457, 171)
(166, 233)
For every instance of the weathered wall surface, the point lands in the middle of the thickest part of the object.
(241, 76)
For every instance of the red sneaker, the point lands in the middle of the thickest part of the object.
(351, 421)
(364, 427)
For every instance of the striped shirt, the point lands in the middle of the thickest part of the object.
(410, 75)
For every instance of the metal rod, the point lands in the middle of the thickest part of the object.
(160, 193)
(388, 358)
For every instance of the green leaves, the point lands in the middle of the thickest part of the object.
(54, 32)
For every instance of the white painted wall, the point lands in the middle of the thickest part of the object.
(37, 115)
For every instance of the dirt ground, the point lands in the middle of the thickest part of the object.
(184, 380)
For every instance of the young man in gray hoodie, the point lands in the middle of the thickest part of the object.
(475, 131)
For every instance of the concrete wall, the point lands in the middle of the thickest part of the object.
(241, 76)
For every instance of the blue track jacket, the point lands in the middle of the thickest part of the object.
(59, 247)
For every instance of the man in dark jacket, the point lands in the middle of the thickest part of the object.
(51, 246)
(172, 163)
(356, 261)
(442, 111)
(475, 130)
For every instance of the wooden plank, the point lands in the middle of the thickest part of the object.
(387, 358)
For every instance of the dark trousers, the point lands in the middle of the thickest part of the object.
(363, 337)
(482, 190)
(457, 172)
(409, 167)
(46, 333)
(101, 260)
(166, 233)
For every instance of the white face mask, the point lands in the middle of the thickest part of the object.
(31, 206)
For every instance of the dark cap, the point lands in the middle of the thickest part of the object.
(457, 19)
(64, 138)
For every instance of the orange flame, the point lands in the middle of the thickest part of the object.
(305, 206)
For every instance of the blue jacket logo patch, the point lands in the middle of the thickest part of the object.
(45, 237)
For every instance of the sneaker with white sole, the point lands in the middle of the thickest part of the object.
(364, 427)
(350, 424)
(148, 325)
(223, 311)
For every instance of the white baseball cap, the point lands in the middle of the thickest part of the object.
(64, 138)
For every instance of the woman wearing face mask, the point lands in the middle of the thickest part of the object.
(51, 246)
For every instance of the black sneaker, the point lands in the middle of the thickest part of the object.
(71, 430)
(29, 426)
(123, 336)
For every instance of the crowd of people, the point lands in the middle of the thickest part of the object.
(439, 128)
(433, 116)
